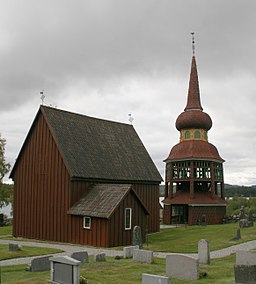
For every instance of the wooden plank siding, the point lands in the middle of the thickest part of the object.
(118, 236)
(42, 188)
(149, 194)
(110, 232)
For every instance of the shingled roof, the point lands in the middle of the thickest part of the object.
(99, 149)
(101, 200)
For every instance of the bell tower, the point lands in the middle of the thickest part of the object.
(194, 183)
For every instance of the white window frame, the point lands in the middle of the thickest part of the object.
(84, 223)
(130, 219)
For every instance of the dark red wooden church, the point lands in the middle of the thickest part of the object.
(194, 185)
(84, 180)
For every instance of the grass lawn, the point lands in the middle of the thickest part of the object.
(181, 240)
(124, 272)
(25, 252)
(6, 230)
(185, 239)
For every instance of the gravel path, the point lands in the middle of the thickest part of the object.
(69, 249)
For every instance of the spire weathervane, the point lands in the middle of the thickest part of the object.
(193, 43)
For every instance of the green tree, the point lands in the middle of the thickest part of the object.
(5, 191)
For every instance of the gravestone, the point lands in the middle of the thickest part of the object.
(137, 237)
(100, 257)
(143, 256)
(245, 257)
(1, 219)
(250, 218)
(40, 264)
(238, 235)
(128, 251)
(182, 267)
(242, 213)
(65, 270)
(245, 267)
(14, 247)
(204, 252)
(81, 256)
(155, 279)
(203, 220)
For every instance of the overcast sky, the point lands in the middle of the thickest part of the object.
(109, 58)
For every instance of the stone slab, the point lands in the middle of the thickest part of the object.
(204, 252)
(14, 247)
(245, 257)
(143, 256)
(81, 256)
(100, 257)
(182, 267)
(245, 274)
(128, 251)
(155, 279)
(40, 264)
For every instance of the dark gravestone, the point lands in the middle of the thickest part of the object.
(203, 220)
(81, 256)
(14, 247)
(136, 237)
(245, 273)
(250, 218)
(1, 220)
(238, 235)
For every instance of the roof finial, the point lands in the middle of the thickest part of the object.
(130, 118)
(42, 96)
(193, 43)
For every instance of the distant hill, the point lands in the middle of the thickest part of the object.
(231, 190)
(240, 190)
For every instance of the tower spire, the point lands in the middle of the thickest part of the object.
(193, 99)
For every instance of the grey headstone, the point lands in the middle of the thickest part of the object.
(143, 256)
(65, 270)
(182, 267)
(100, 257)
(245, 257)
(204, 252)
(245, 274)
(14, 247)
(128, 251)
(40, 264)
(155, 279)
(81, 256)
(137, 237)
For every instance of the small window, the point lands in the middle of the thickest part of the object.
(187, 134)
(87, 222)
(197, 134)
(128, 219)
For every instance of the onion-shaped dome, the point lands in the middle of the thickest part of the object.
(194, 149)
(193, 119)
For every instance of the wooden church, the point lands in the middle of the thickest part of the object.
(83, 180)
(194, 184)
